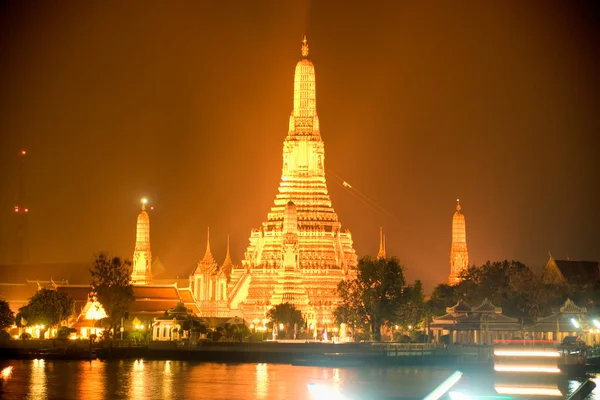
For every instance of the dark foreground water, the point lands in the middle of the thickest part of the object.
(138, 379)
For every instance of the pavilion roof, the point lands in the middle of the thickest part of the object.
(155, 292)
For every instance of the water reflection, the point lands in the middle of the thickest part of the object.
(135, 379)
(37, 386)
(136, 389)
(90, 380)
(262, 381)
(167, 387)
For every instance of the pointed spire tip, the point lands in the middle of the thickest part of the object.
(304, 47)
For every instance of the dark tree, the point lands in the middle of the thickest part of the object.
(7, 317)
(443, 296)
(412, 311)
(508, 284)
(285, 313)
(48, 308)
(376, 293)
(111, 286)
(350, 310)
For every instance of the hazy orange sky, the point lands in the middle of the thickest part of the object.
(187, 103)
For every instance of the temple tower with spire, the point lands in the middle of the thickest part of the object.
(381, 253)
(300, 249)
(459, 255)
(142, 255)
(208, 284)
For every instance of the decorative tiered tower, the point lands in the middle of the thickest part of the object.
(142, 255)
(300, 253)
(208, 283)
(459, 256)
(381, 253)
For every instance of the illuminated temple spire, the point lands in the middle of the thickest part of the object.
(227, 256)
(208, 258)
(381, 254)
(142, 255)
(300, 253)
(304, 119)
(459, 256)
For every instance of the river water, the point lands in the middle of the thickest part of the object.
(139, 379)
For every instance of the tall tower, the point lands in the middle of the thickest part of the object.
(142, 255)
(302, 235)
(459, 256)
(381, 253)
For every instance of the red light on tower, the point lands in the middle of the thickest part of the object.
(26, 210)
(23, 152)
(16, 209)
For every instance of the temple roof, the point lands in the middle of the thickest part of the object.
(460, 307)
(578, 272)
(72, 272)
(486, 306)
(155, 292)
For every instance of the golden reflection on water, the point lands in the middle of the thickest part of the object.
(90, 379)
(167, 381)
(262, 381)
(148, 380)
(136, 389)
(37, 386)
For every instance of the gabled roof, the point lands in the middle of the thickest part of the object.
(486, 306)
(570, 308)
(458, 308)
(157, 307)
(579, 271)
(186, 295)
(77, 292)
(155, 292)
(571, 271)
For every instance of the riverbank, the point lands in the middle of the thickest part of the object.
(296, 353)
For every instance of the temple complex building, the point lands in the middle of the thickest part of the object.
(208, 284)
(459, 255)
(142, 255)
(300, 253)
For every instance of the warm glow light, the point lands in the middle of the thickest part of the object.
(6, 372)
(596, 323)
(23, 152)
(144, 201)
(410, 327)
(280, 327)
(251, 326)
(396, 327)
(526, 353)
(539, 391)
(95, 312)
(525, 368)
(575, 323)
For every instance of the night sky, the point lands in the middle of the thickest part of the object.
(187, 103)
